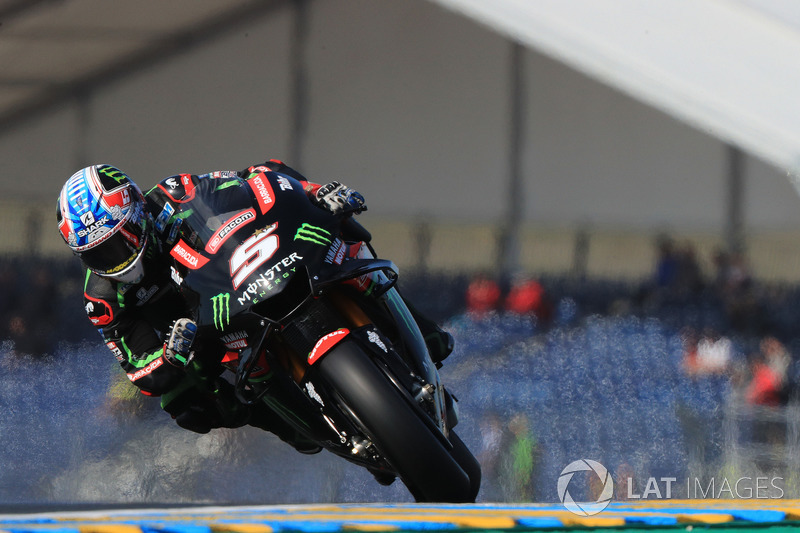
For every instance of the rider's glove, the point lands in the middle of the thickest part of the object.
(339, 199)
(178, 346)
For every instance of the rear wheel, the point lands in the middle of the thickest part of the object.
(430, 471)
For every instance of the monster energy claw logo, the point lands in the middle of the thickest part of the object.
(314, 234)
(113, 173)
(222, 310)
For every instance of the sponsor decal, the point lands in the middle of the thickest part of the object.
(133, 239)
(263, 191)
(224, 174)
(87, 219)
(179, 189)
(326, 343)
(313, 394)
(175, 275)
(145, 294)
(252, 253)
(112, 172)
(163, 217)
(266, 281)
(118, 201)
(188, 187)
(228, 229)
(375, 339)
(221, 310)
(336, 252)
(98, 311)
(284, 184)
(116, 351)
(236, 340)
(91, 227)
(187, 256)
(314, 234)
(173, 233)
(146, 370)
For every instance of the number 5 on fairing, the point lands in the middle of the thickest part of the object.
(252, 253)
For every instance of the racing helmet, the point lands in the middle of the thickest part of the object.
(102, 218)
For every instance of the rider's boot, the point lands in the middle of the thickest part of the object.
(265, 418)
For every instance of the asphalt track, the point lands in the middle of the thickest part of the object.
(717, 515)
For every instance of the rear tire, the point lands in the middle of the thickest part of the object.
(430, 471)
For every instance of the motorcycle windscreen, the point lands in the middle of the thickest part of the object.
(242, 242)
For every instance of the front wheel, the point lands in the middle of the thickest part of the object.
(468, 463)
(427, 468)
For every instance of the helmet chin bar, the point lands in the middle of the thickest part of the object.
(132, 274)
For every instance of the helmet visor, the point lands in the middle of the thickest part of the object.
(118, 252)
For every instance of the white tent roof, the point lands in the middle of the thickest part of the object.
(728, 67)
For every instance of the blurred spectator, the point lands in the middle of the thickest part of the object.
(733, 271)
(714, 352)
(721, 262)
(493, 435)
(528, 297)
(521, 454)
(690, 338)
(710, 353)
(765, 387)
(689, 279)
(777, 358)
(769, 374)
(677, 274)
(667, 262)
(738, 293)
(483, 295)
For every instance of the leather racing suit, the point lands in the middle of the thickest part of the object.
(133, 319)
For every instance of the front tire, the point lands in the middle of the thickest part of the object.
(468, 463)
(428, 469)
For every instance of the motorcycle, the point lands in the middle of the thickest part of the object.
(313, 326)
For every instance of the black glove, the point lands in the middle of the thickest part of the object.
(339, 199)
(178, 345)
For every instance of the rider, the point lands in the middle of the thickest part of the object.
(124, 239)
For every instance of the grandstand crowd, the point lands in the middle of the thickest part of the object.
(548, 361)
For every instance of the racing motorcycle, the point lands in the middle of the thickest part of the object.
(313, 326)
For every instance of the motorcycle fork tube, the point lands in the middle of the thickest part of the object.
(409, 331)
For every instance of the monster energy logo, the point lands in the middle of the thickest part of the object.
(113, 173)
(315, 234)
(222, 310)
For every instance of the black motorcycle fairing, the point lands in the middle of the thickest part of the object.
(236, 250)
